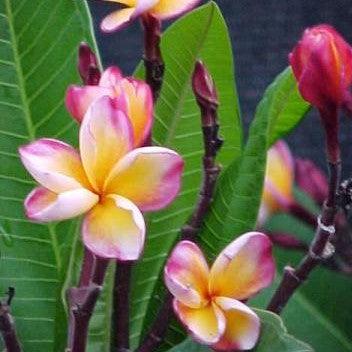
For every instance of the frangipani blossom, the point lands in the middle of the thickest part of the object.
(133, 96)
(209, 301)
(161, 9)
(278, 183)
(107, 179)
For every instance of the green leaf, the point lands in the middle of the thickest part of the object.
(288, 107)
(236, 203)
(201, 34)
(38, 45)
(274, 338)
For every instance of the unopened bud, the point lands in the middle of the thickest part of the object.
(311, 180)
(88, 65)
(203, 86)
(322, 65)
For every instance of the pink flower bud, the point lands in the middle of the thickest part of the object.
(311, 180)
(88, 65)
(322, 65)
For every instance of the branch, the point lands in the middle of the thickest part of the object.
(153, 61)
(205, 93)
(7, 325)
(320, 249)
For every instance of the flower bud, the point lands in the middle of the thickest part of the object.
(88, 65)
(311, 180)
(322, 65)
(203, 85)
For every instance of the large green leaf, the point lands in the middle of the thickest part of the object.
(201, 34)
(274, 338)
(38, 45)
(235, 207)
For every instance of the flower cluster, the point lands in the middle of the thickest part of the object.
(110, 178)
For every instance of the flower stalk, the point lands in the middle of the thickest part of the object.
(206, 96)
(153, 60)
(7, 325)
(121, 307)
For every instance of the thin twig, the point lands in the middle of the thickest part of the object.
(205, 92)
(121, 307)
(7, 325)
(320, 249)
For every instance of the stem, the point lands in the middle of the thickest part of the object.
(205, 93)
(87, 268)
(297, 210)
(121, 307)
(320, 249)
(287, 241)
(153, 61)
(7, 325)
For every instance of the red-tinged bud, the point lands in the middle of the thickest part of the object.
(88, 66)
(322, 65)
(311, 180)
(203, 86)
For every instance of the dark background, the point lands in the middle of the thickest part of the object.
(262, 32)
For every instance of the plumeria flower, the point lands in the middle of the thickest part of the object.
(209, 302)
(278, 184)
(107, 179)
(133, 95)
(161, 9)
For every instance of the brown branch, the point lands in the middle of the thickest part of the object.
(153, 60)
(320, 249)
(7, 325)
(205, 93)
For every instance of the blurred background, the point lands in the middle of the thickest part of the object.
(262, 34)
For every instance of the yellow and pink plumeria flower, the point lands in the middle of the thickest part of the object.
(278, 184)
(209, 302)
(133, 95)
(161, 9)
(107, 179)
